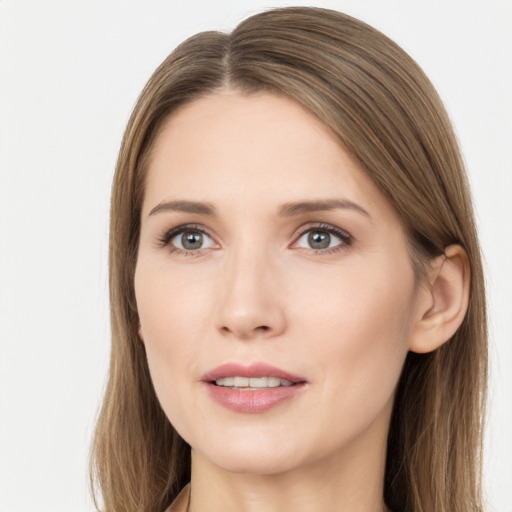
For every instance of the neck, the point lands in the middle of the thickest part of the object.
(348, 480)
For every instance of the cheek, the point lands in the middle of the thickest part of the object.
(171, 305)
(164, 328)
(362, 302)
(361, 330)
(175, 313)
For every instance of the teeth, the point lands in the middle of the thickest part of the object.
(227, 381)
(241, 382)
(253, 382)
(263, 382)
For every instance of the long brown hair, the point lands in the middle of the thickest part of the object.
(388, 115)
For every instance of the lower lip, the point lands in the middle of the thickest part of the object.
(253, 401)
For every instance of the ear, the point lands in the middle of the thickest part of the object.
(138, 328)
(443, 300)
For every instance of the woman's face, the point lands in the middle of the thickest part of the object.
(268, 258)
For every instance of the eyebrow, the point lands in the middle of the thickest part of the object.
(286, 210)
(292, 209)
(184, 206)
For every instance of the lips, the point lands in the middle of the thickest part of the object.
(254, 370)
(252, 389)
(252, 382)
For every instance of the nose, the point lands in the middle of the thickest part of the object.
(250, 304)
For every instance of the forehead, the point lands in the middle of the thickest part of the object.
(257, 149)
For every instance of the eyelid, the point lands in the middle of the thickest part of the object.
(165, 239)
(346, 238)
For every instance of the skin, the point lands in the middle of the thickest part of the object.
(343, 318)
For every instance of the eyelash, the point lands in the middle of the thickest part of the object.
(346, 239)
(165, 240)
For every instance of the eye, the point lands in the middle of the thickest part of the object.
(187, 239)
(323, 238)
(192, 240)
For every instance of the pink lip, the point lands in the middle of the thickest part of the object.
(251, 401)
(252, 370)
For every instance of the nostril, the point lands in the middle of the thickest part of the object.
(260, 328)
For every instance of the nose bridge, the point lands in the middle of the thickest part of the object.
(249, 303)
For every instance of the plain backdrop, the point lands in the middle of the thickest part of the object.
(70, 72)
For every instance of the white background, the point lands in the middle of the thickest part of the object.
(70, 72)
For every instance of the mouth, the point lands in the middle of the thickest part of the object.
(252, 389)
(253, 376)
(248, 383)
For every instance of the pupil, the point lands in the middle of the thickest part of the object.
(192, 240)
(319, 240)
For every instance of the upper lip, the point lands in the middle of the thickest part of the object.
(252, 370)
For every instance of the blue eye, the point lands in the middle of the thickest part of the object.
(323, 238)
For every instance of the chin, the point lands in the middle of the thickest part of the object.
(254, 462)
(243, 454)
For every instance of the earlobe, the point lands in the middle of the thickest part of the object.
(139, 331)
(443, 302)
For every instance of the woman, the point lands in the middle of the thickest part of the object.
(298, 311)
